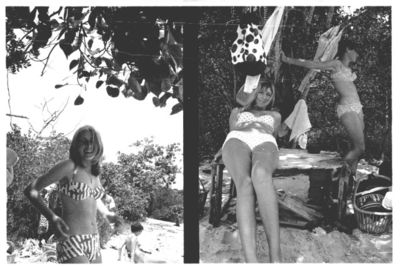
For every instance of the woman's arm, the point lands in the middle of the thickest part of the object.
(32, 192)
(277, 123)
(102, 208)
(243, 98)
(233, 118)
(327, 65)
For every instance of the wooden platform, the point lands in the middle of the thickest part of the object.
(291, 162)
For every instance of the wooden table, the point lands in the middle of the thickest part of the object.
(291, 162)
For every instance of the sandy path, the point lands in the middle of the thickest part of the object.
(222, 244)
(162, 239)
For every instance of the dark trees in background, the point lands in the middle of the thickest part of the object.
(369, 27)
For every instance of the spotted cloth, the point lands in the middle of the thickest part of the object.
(247, 50)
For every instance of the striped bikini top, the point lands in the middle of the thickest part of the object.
(344, 74)
(79, 190)
(250, 117)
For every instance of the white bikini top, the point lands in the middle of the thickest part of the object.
(250, 117)
(344, 74)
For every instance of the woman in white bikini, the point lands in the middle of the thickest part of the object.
(349, 108)
(250, 154)
(81, 192)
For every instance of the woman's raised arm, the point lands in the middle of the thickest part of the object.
(326, 65)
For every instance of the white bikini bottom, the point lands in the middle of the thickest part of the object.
(251, 138)
(351, 107)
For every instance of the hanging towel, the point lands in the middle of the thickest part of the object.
(298, 120)
(271, 28)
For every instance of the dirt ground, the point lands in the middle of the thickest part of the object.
(156, 239)
(222, 244)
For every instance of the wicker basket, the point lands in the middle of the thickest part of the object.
(370, 215)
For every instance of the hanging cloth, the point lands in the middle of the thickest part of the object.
(327, 48)
(249, 51)
(298, 121)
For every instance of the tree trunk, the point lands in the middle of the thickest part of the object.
(329, 17)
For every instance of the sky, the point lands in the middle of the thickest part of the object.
(120, 121)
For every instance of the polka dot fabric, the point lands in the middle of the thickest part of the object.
(248, 49)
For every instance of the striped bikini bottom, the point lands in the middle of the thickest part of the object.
(87, 245)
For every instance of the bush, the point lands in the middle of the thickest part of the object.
(36, 156)
(139, 182)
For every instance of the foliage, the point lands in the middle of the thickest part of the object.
(129, 50)
(369, 27)
(104, 228)
(134, 181)
(36, 156)
(215, 79)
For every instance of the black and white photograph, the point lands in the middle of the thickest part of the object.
(295, 129)
(94, 134)
(194, 131)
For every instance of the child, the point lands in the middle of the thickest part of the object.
(131, 243)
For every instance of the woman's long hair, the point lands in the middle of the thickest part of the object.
(343, 45)
(97, 146)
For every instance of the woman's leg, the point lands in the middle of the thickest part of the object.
(237, 158)
(354, 125)
(265, 160)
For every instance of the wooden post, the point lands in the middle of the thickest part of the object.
(342, 191)
(216, 194)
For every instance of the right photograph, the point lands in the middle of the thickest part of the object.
(295, 134)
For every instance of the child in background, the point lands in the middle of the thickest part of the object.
(131, 244)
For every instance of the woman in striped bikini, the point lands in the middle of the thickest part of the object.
(250, 154)
(81, 192)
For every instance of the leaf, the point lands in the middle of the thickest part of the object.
(139, 92)
(113, 80)
(99, 83)
(73, 64)
(79, 100)
(176, 108)
(59, 86)
(90, 43)
(112, 91)
(156, 101)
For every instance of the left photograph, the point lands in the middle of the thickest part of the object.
(94, 134)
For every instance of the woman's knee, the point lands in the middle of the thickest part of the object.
(359, 147)
(261, 174)
(244, 186)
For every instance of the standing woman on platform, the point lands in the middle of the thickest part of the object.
(81, 192)
(349, 108)
(251, 155)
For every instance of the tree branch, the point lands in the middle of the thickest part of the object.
(47, 59)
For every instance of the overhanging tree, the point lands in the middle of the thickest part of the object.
(129, 50)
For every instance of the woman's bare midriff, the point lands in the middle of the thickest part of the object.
(80, 216)
(347, 92)
(254, 126)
